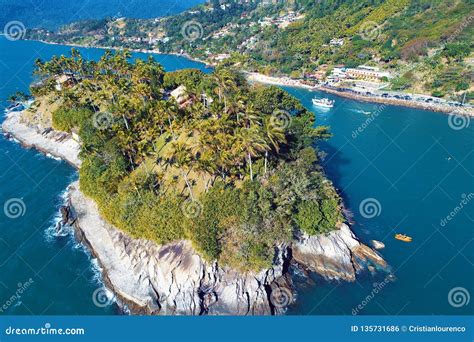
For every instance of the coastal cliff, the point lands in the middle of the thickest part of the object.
(173, 279)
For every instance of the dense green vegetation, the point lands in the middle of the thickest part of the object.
(426, 44)
(227, 165)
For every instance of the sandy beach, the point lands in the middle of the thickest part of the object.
(434, 107)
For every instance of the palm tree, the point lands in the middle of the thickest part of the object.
(274, 135)
(250, 143)
(180, 155)
(225, 82)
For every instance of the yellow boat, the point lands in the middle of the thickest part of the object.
(403, 237)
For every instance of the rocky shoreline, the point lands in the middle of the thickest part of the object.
(173, 279)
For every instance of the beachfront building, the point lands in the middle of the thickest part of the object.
(367, 73)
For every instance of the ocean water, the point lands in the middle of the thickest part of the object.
(400, 170)
(409, 168)
(64, 279)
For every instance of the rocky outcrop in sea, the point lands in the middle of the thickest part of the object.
(173, 279)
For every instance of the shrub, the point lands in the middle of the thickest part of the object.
(65, 119)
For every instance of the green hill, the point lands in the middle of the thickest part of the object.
(425, 44)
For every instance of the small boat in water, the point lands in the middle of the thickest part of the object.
(403, 237)
(325, 102)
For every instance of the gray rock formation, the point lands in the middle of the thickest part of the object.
(172, 279)
(338, 255)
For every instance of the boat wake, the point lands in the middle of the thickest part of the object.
(360, 111)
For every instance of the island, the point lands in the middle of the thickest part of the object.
(196, 191)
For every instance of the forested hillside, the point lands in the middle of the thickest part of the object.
(425, 44)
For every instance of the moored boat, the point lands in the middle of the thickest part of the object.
(324, 102)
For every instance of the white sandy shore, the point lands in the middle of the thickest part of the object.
(286, 81)
(58, 144)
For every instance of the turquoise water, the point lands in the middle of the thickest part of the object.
(419, 169)
(64, 277)
(410, 161)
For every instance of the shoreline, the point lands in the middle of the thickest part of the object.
(289, 82)
(156, 52)
(173, 279)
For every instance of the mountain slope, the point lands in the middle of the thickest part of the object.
(425, 44)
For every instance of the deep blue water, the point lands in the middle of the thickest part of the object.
(410, 161)
(419, 169)
(63, 276)
(53, 13)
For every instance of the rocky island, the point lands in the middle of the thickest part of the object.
(196, 192)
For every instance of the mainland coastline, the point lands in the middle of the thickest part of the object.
(287, 81)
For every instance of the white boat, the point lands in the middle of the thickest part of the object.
(324, 102)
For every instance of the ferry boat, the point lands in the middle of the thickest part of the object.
(403, 237)
(324, 102)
